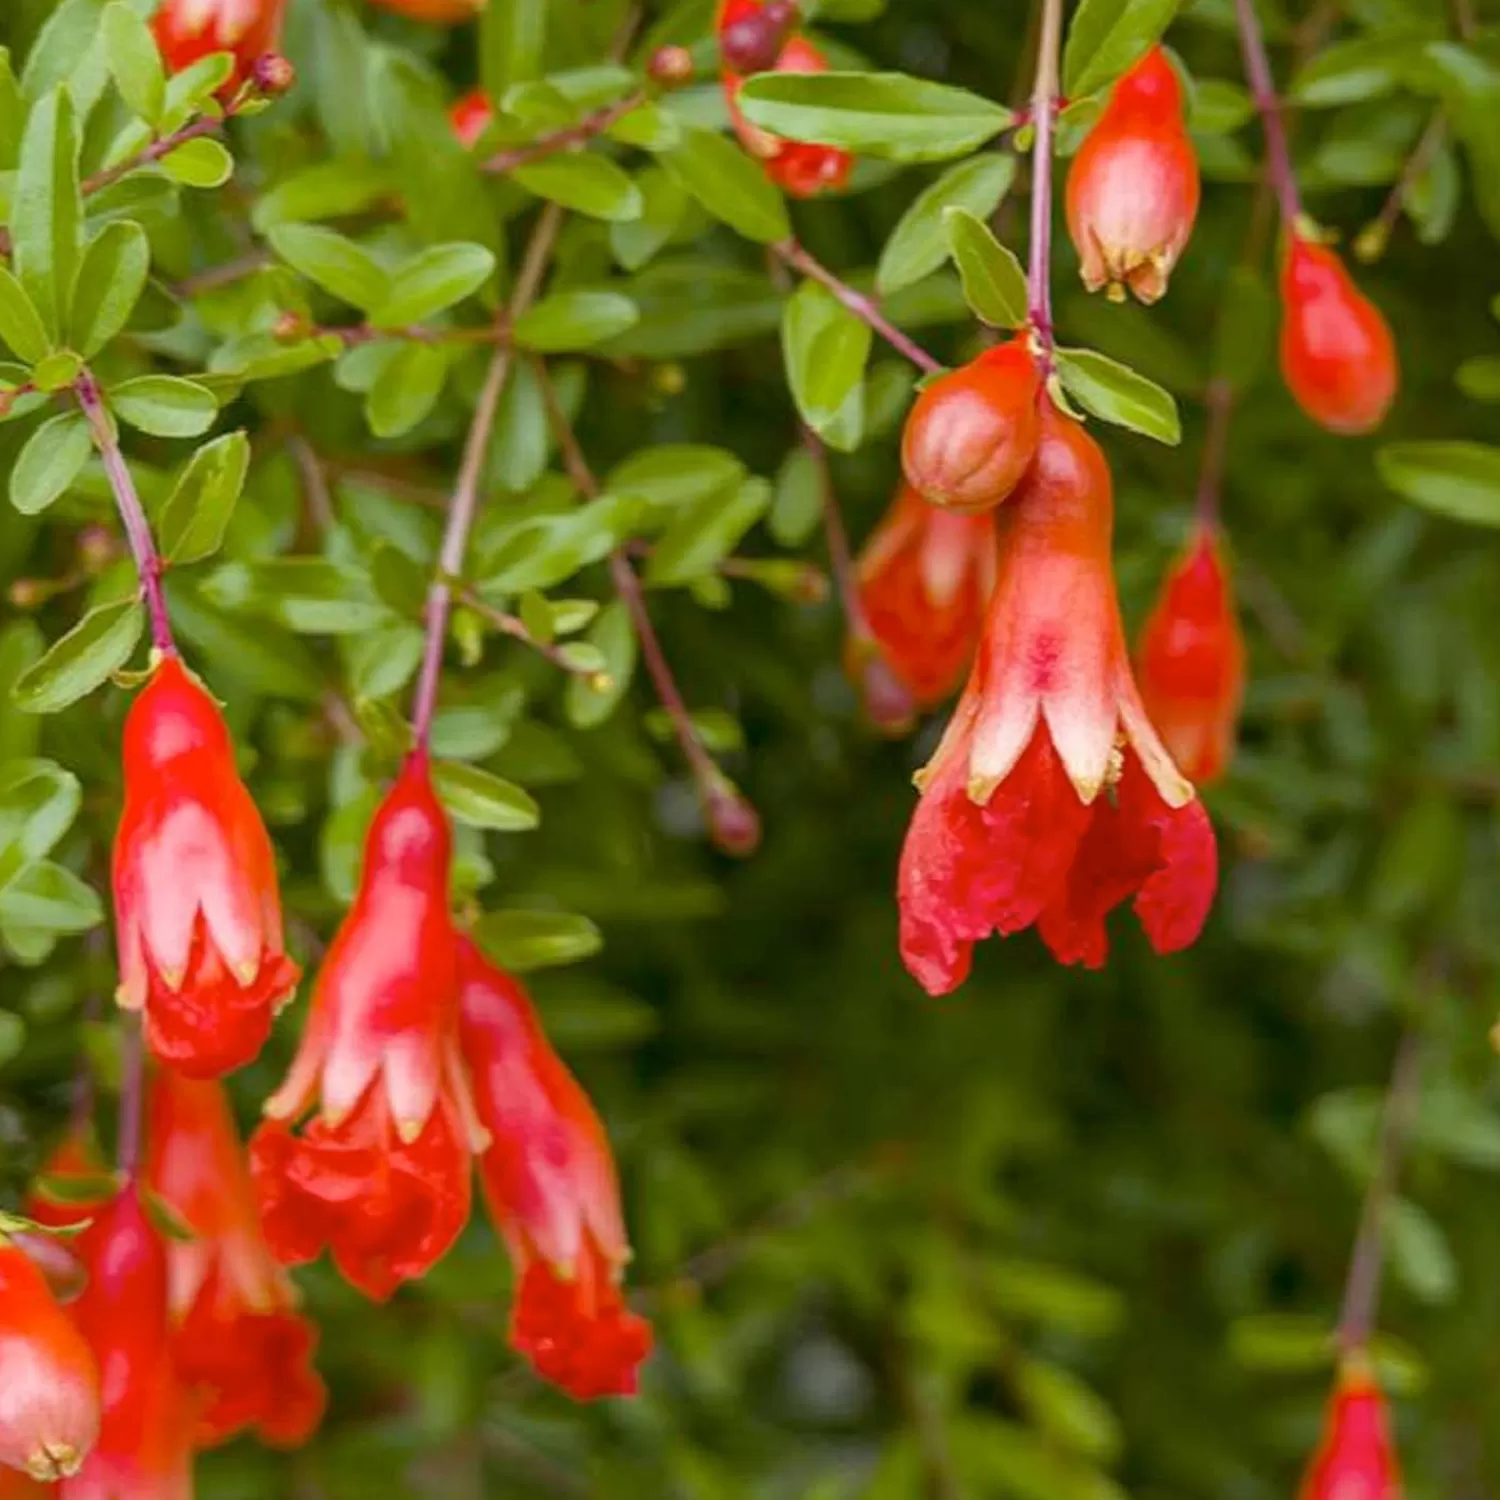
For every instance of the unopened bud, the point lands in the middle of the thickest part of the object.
(671, 67)
(289, 327)
(96, 549)
(888, 705)
(27, 593)
(273, 75)
(752, 42)
(1370, 242)
(733, 824)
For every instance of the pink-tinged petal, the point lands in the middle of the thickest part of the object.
(412, 1081)
(1171, 785)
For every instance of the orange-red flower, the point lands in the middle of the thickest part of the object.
(49, 1383)
(1337, 354)
(189, 29)
(441, 12)
(1356, 1459)
(145, 1442)
(1191, 661)
(1051, 798)
(470, 116)
(550, 1184)
(380, 1176)
(1133, 186)
(753, 39)
(925, 576)
(241, 1346)
(972, 432)
(197, 911)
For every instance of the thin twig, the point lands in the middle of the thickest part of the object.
(515, 628)
(1263, 91)
(1044, 98)
(1218, 401)
(147, 155)
(561, 140)
(226, 274)
(1374, 237)
(132, 1094)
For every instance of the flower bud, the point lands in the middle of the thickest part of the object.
(250, 30)
(290, 327)
(752, 34)
(973, 431)
(1337, 354)
(733, 824)
(470, 116)
(1356, 1457)
(888, 705)
(671, 67)
(1133, 186)
(273, 75)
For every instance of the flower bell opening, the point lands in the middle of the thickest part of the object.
(1356, 1457)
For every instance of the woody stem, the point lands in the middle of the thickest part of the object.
(1263, 89)
(1044, 98)
(148, 563)
(465, 502)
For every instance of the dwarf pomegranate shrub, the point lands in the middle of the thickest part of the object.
(569, 563)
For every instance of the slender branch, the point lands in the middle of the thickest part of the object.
(1362, 1290)
(292, 328)
(465, 502)
(1044, 98)
(148, 563)
(132, 1094)
(1374, 237)
(225, 274)
(1263, 90)
(515, 628)
(147, 155)
(576, 134)
(1218, 400)
(862, 307)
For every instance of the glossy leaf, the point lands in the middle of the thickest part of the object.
(1456, 479)
(1118, 394)
(197, 513)
(825, 347)
(994, 283)
(164, 405)
(918, 245)
(730, 185)
(49, 462)
(481, 800)
(100, 644)
(111, 277)
(432, 281)
(334, 262)
(585, 182)
(1106, 37)
(46, 207)
(522, 941)
(574, 320)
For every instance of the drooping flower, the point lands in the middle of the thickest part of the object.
(1191, 661)
(145, 1442)
(1356, 1458)
(186, 30)
(1133, 188)
(197, 911)
(470, 116)
(49, 1382)
(1338, 357)
(753, 38)
(241, 1346)
(380, 1175)
(1051, 798)
(925, 576)
(972, 432)
(549, 1180)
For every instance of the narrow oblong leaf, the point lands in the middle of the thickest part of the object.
(919, 243)
(164, 405)
(47, 207)
(21, 325)
(574, 320)
(406, 390)
(99, 644)
(1106, 37)
(585, 182)
(993, 281)
(432, 280)
(202, 163)
(49, 462)
(1456, 479)
(134, 61)
(196, 514)
(730, 185)
(333, 261)
(111, 277)
(524, 940)
(825, 347)
(1115, 393)
(483, 800)
(706, 533)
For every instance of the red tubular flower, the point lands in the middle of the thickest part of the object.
(189, 29)
(1191, 661)
(144, 1450)
(381, 1175)
(470, 116)
(1356, 1459)
(49, 1391)
(240, 1346)
(550, 1184)
(972, 432)
(1133, 186)
(197, 912)
(925, 576)
(1337, 354)
(1051, 798)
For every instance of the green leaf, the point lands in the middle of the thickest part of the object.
(676, 474)
(21, 325)
(1420, 1253)
(189, 91)
(134, 61)
(1069, 1410)
(585, 182)
(1479, 377)
(589, 701)
(890, 115)
(406, 389)
(1455, 479)
(196, 514)
(49, 898)
(200, 163)
(111, 277)
(38, 802)
(543, 551)
(918, 245)
(99, 644)
(47, 208)
(1117, 394)
(1247, 328)
(730, 185)
(825, 347)
(335, 263)
(49, 462)
(994, 283)
(574, 320)
(310, 594)
(706, 533)
(1220, 107)
(481, 800)
(431, 281)
(12, 114)
(325, 190)
(1106, 37)
(1362, 68)
(1281, 1341)
(797, 507)
(512, 38)
(164, 405)
(521, 941)
(664, 200)
(54, 371)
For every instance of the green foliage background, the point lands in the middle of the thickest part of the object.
(1067, 1236)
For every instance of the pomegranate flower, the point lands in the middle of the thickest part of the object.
(1338, 357)
(925, 576)
(240, 1345)
(1133, 186)
(144, 1450)
(470, 116)
(1356, 1459)
(439, 12)
(1051, 798)
(550, 1184)
(380, 1175)
(197, 912)
(1191, 661)
(49, 1391)
(187, 30)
